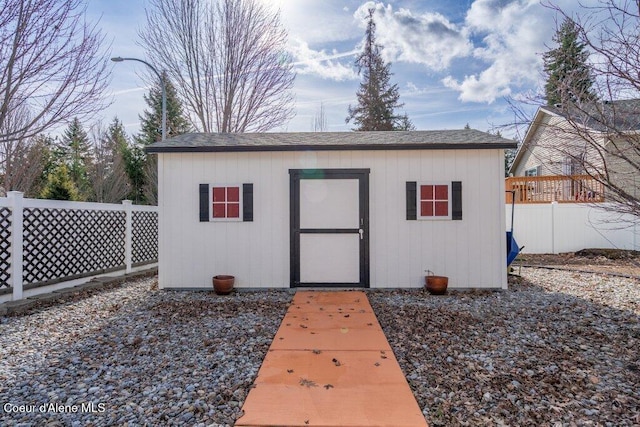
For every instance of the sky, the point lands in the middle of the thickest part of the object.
(455, 61)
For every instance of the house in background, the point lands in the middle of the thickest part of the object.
(357, 209)
(559, 159)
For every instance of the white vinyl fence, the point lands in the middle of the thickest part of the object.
(568, 227)
(49, 244)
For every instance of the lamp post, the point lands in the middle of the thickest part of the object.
(164, 90)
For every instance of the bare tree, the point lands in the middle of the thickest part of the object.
(320, 120)
(24, 160)
(108, 175)
(50, 62)
(601, 137)
(226, 59)
(13, 151)
(26, 169)
(150, 188)
(50, 71)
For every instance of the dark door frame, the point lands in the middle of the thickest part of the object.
(295, 175)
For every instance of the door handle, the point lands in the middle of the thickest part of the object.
(361, 231)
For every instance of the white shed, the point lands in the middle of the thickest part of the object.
(356, 209)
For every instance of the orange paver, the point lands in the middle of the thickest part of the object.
(330, 365)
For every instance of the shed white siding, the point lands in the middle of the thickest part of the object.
(471, 252)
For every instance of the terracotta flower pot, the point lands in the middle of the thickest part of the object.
(437, 285)
(223, 284)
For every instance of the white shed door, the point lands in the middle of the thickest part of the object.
(329, 229)
(329, 253)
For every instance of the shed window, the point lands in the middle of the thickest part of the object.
(434, 202)
(226, 202)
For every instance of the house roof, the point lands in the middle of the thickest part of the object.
(533, 126)
(620, 116)
(326, 141)
(617, 116)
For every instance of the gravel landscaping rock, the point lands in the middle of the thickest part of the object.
(136, 356)
(557, 348)
(611, 261)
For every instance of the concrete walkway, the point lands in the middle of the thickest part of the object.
(330, 365)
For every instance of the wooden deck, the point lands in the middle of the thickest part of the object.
(556, 188)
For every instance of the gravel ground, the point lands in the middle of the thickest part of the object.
(558, 348)
(138, 355)
(611, 261)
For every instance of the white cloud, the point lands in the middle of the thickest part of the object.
(322, 64)
(421, 38)
(480, 89)
(411, 89)
(316, 21)
(131, 90)
(513, 36)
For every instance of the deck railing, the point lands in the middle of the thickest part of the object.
(556, 188)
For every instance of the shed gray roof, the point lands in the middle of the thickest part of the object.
(325, 141)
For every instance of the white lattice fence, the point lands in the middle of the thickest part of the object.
(5, 247)
(59, 243)
(47, 242)
(144, 243)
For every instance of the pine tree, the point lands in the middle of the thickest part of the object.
(151, 120)
(76, 154)
(42, 152)
(404, 123)
(132, 156)
(60, 186)
(568, 75)
(140, 167)
(134, 161)
(509, 157)
(377, 98)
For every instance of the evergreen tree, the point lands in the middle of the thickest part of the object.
(377, 98)
(509, 157)
(42, 153)
(132, 155)
(134, 161)
(404, 123)
(151, 120)
(76, 153)
(568, 76)
(60, 186)
(140, 167)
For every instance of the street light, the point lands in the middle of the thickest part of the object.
(164, 90)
